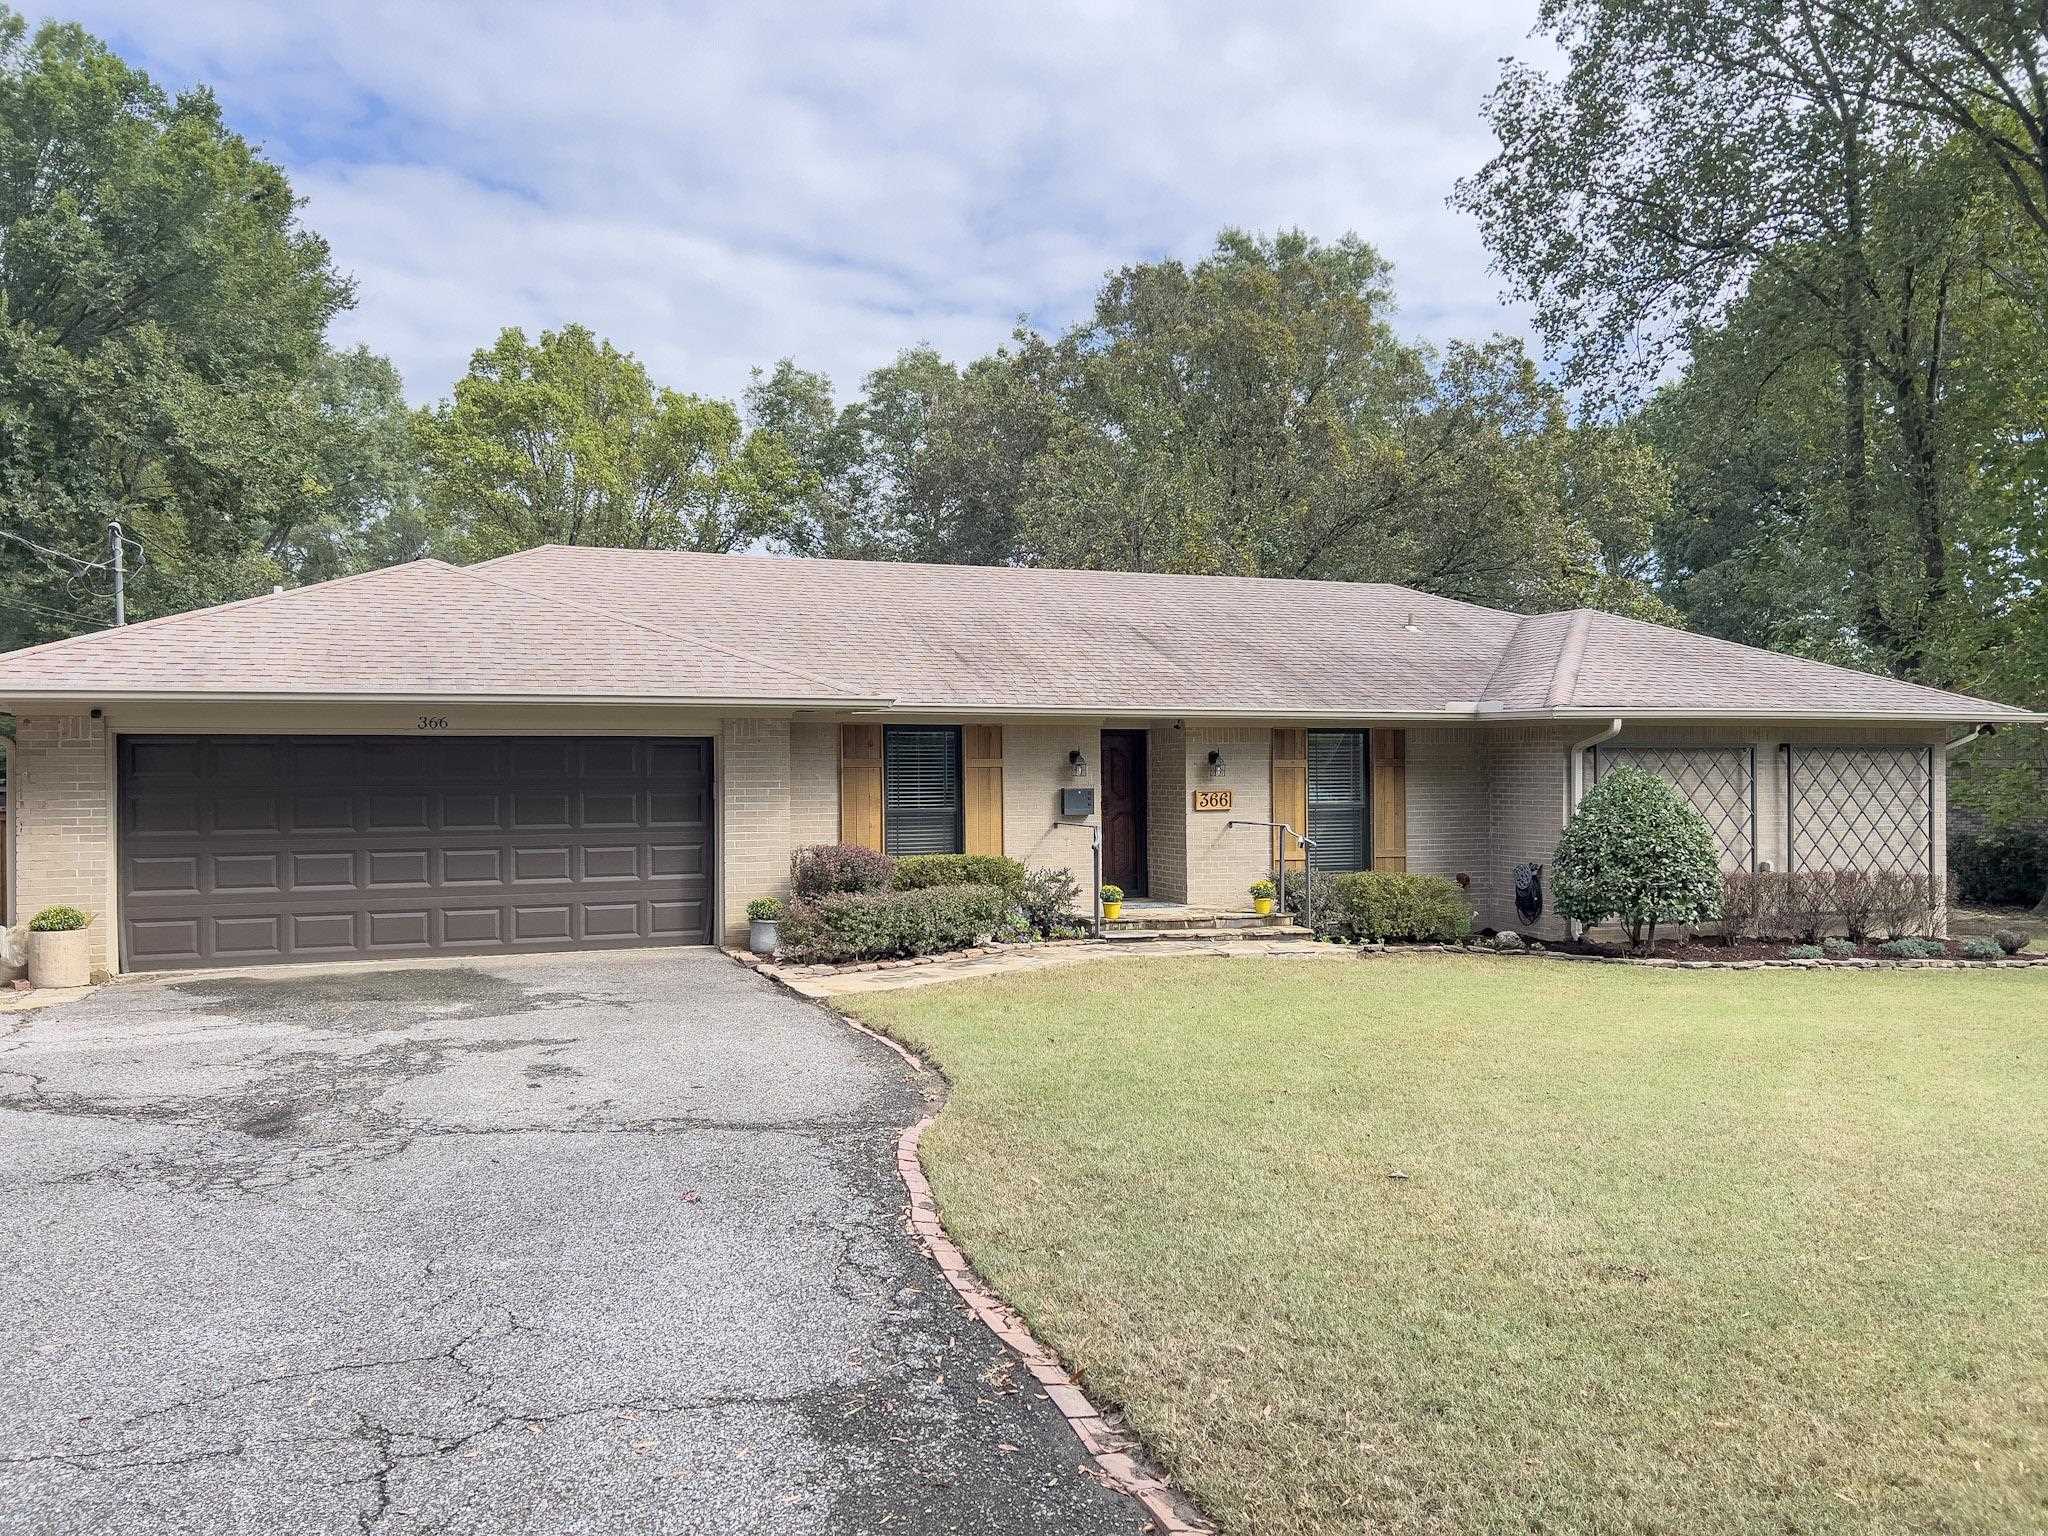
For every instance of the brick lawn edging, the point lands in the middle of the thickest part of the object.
(1116, 1453)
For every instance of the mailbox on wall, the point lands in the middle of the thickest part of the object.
(1077, 802)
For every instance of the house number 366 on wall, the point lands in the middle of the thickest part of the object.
(1212, 799)
(433, 722)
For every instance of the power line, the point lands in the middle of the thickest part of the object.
(73, 561)
(47, 612)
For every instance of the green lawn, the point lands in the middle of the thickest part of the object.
(1674, 1251)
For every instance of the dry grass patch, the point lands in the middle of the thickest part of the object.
(1673, 1252)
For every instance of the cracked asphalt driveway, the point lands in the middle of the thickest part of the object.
(589, 1243)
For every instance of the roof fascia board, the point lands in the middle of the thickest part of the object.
(15, 698)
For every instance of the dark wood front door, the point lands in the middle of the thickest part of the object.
(1123, 810)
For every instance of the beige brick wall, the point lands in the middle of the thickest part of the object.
(756, 830)
(1166, 828)
(1035, 770)
(61, 806)
(1449, 809)
(1525, 815)
(1223, 860)
(814, 782)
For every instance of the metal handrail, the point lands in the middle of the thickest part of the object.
(1308, 867)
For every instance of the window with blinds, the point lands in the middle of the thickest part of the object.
(1339, 810)
(921, 799)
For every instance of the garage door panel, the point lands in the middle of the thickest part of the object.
(376, 845)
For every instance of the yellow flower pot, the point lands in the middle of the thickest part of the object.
(1111, 911)
(1263, 905)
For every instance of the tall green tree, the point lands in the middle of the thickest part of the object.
(161, 311)
(566, 440)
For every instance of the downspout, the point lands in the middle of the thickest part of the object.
(1963, 741)
(1947, 752)
(1575, 784)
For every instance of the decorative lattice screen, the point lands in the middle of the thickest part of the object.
(1719, 782)
(1860, 808)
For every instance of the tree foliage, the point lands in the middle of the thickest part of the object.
(1638, 853)
(566, 440)
(162, 319)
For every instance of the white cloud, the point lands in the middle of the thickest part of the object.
(714, 191)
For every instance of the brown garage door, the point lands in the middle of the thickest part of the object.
(243, 849)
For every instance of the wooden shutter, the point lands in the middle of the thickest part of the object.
(1290, 794)
(982, 757)
(1390, 800)
(860, 785)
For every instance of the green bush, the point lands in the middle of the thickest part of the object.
(1838, 949)
(1049, 899)
(58, 920)
(1999, 869)
(1912, 949)
(891, 925)
(764, 909)
(1981, 949)
(2011, 940)
(923, 871)
(828, 869)
(1805, 952)
(1375, 906)
(1638, 853)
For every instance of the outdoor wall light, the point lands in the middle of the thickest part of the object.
(1215, 764)
(1077, 765)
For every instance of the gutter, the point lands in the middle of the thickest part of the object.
(110, 697)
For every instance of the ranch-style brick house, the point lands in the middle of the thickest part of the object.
(574, 747)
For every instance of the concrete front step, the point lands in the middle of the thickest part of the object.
(1123, 932)
(1184, 921)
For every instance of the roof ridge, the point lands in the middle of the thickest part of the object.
(476, 573)
(282, 592)
(1507, 649)
(1564, 681)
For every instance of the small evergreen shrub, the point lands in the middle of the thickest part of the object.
(1977, 948)
(895, 925)
(1911, 949)
(1805, 952)
(1049, 899)
(922, 871)
(1838, 949)
(1638, 853)
(764, 909)
(58, 920)
(829, 869)
(2011, 940)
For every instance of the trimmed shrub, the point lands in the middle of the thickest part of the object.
(1049, 900)
(830, 869)
(1805, 952)
(1999, 869)
(1981, 949)
(58, 920)
(1742, 905)
(1838, 949)
(1638, 853)
(1374, 906)
(1911, 949)
(2011, 940)
(923, 871)
(894, 925)
(764, 909)
(1855, 900)
(1901, 896)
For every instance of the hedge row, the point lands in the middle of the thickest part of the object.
(1379, 906)
(892, 925)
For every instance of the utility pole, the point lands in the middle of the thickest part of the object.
(116, 536)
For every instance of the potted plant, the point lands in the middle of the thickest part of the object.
(59, 948)
(1263, 892)
(1112, 903)
(764, 925)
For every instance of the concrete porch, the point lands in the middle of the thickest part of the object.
(1144, 918)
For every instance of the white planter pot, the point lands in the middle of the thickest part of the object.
(60, 959)
(764, 935)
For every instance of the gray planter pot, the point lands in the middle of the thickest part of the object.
(60, 959)
(764, 935)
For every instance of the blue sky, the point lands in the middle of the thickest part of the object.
(716, 187)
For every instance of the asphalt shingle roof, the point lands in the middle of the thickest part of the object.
(585, 623)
